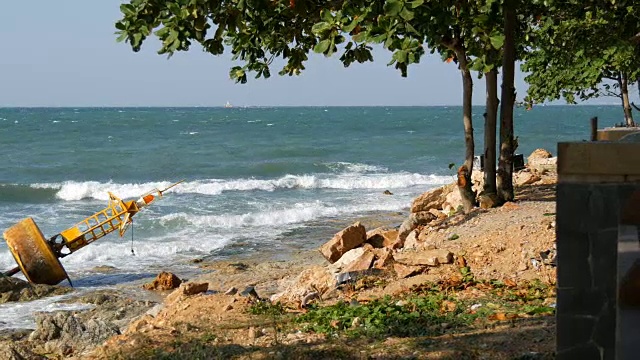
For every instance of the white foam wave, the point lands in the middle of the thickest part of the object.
(72, 190)
(297, 214)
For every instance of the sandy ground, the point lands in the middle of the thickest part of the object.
(512, 243)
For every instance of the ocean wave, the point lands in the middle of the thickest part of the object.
(74, 190)
(296, 214)
(348, 167)
(26, 193)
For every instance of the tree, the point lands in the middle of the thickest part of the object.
(258, 31)
(578, 47)
(507, 146)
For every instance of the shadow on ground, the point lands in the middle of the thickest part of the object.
(524, 338)
(536, 192)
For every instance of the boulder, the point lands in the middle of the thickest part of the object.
(18, 351)
(346, 259)
(164, 281)
(65, 333)
(411, 242)
(452, 202)
(414, 220)
(432, 199)
(14, 289)
(363, 262)
(542, 161)
(477, 180)
(382, 237)
(347, 239)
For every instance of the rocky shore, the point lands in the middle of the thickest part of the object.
(217, 315)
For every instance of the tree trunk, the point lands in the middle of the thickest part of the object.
(505, 163)
(464, 172)
(626, 104)
(491, 79)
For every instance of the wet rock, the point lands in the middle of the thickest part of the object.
(382, 237)
(113, 307)
(164, 281)
(18, 351)
(65, 333)
(432, 199)
(387, 192)
(14, 289)
(347, 239)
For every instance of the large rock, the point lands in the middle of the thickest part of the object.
(346, 259)
(382, 237)
(452, 202)
(14, 289)
(363, 262)
(347, 239)
(542, 161)
(164, 281)
(64, 333)
(432, 199)
(411, 223)
(18, 351)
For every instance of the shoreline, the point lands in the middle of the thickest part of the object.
(275, 272)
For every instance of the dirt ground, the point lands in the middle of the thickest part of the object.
(512, 244)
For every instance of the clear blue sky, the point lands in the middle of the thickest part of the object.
(64, 53)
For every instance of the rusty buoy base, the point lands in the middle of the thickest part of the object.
(32, 252)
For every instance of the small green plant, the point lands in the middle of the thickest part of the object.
(267, 308)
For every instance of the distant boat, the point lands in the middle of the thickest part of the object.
(228, 105)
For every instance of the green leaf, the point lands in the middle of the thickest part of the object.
(416, 3)
(127, 9)
(392, 7)
(400, 56)
(360, 37)
(497, 41)
(320, 27)
(406, 14)
(322, 46)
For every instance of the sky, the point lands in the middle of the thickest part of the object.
(64, 53)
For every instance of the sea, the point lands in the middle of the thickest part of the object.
(257, 180)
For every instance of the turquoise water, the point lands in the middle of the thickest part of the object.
(256, 178)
